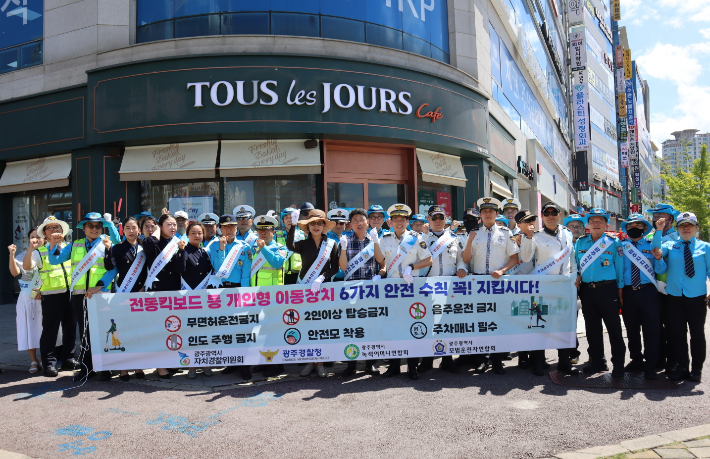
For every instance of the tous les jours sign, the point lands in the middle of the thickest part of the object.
(344, 96)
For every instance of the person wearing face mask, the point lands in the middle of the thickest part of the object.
(511, 207)
(642, 261)
(89, 275)
(490, 251)
(401, 252)
(446, 260)
(688, 261)
(600, 281)
(666, 356)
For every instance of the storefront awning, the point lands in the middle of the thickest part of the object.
(176, 161)
(248, 158)
(36, 174)
(499, 185)
(441, 168)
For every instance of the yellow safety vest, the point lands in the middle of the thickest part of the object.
(96, 272)
(293, 264)
(55, 278)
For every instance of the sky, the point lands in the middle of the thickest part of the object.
(670, 41)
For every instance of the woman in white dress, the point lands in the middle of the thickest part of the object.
(29, 307)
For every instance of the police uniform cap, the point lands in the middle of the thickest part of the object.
(687, 217)
(208, 218)
(436, 210)
(550, 205)
(227, 219)
(338, 215)
(488, 203)
(524, 216)
(401, 210)
(471, 213)
(243, 211)
(418, 218)
(265, 222)
(511, 203)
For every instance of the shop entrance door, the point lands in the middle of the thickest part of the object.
(363, 174)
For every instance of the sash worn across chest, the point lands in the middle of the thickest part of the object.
(594, 252)
(358, 260)
(133, 272)
(641, 261)
(548, 266)
(441, 244)
(405, 246)
(317, 266)
(87, 262)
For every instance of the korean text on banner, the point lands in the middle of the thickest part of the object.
(344, 321)
(580, 99)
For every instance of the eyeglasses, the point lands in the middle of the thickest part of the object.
(376, 217)
(53, 228)
(93, 225)
(437, 217)
(551, 213)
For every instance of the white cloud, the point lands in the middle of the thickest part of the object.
(674, 63)
(676, 22)
(689, 113)
(705, 33)
(695, 10)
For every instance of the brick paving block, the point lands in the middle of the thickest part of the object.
(674, 453)
(643, 455)
(608, 450)
(698, 443)
(652, 441)
(689, 433)
(700, 452)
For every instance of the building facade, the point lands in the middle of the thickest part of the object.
(681, 151)
(135, 105)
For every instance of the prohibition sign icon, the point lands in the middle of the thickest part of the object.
(417, 311)
(291, 317)
(174, 342)
(173, 324)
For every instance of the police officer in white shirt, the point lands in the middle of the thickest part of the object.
(491, 251)
(447, 260)
(543, 245)
(401, 251)
(511, 207)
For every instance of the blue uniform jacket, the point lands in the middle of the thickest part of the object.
(240, 273)
(645, 246)
(608, 266)
(678, 283)
(57, 257)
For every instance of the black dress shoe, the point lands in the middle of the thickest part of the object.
(124, 378)
(79, 375)
(245, 372)
(523, 363)
(328, 364)
(634, 366)
(371, 370)
(413, 373)
(392, 371)
(507, 356)
(567, 369)
(594, 368)
(679, 374)
(480, 368)
(671, 368)
(349, 371)
(546, 365)
(167, 375)
(695, 375)
(259, 368)
(69, 364)
(273, 370)
(450, 366)
(650, 375)
(139, 375)
(228, 370)
(498, 369)
(104, 376)
(426, 365)
(617, 372)
(50, 371)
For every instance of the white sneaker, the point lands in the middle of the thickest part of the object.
(308, 369)
(321, 371)
(192, 374)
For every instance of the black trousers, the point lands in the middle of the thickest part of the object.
(57, 309)
(412, 362)
(688, 314)
(665, 348)
(291, 278)
(77, 302)
(642, 310)
(602, 304)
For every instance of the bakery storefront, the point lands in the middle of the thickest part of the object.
(206, 133)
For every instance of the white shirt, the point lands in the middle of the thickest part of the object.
(543, 246)
(389, 243)
(450, 259)
(491, 249)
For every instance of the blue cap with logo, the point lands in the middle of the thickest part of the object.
(637, 218)
(93, 217)
(575, 218)
(287, 211)
(375, 209)
(501, 218)
(664, 209)
(597, 212)
(418, 218)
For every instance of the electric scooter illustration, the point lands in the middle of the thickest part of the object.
(115, 342)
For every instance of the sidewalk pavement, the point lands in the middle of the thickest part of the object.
(693, 442)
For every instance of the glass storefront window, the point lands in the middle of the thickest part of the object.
(345, 195)
(585, 198)
(270, 193)
(30, 208)
(430, 194)
(385, 194)
(194, 198)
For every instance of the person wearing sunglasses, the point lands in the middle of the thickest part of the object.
(446, 260)
(340, 217)
(88, 276)
(554, 242)
(600, 280)
(490, 251)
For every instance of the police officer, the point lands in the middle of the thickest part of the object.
(490, 251)
(416, 256)
(600, 280)
(340, 217)
(56, 305)
(376, 217)
(88, 278)
(511, 207)
(234, 272)
(543, 246)
(267, 267)
(209, 223)
(181, 218)
(642, 261)
(666, 356)
(446, 260)
(417, 222)
(688, 262)
(292, 267)
(575, 223)
(502, 221)
(524, 217)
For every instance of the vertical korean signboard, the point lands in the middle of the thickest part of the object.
(616, 10)
(580, 92)
(628, 73)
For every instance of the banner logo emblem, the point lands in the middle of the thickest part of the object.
(439, 347)
(351, 352)
(184, 359)
(269, 355)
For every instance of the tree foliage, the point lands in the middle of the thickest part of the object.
(690, 191)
